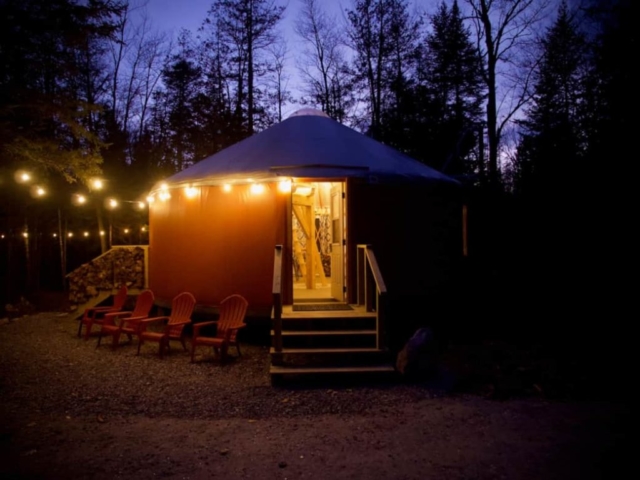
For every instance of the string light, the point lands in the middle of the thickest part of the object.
(226, 187)
(257, 188)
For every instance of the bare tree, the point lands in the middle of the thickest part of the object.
(384, 38)
(137, 56)
(248, 27)
(280, 79)
(505, 30)
(322, 63)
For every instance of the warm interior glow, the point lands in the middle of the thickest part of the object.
(304, 191)
(285, 186)
(257, 188)
(190, 192)
(226, 187)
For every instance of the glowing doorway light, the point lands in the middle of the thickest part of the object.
(285, 186)
(304, 191)
(257, 188)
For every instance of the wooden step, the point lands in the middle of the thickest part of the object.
(313, 351)
(314, 333)
(280, 370)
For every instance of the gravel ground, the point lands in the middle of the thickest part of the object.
(83, 380)
(71, 410)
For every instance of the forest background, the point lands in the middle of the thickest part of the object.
(527, 102)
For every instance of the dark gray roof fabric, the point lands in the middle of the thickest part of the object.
(307, 146)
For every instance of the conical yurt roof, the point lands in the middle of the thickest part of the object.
(308, 144)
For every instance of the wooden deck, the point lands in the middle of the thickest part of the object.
(358, 311)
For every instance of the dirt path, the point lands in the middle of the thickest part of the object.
(442, 438)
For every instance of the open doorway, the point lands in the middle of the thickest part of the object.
(318, 236)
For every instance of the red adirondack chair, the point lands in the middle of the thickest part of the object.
(95, 315)
(127, 322)
(233, 310)
(181, 309)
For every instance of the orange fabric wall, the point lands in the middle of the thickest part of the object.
(216, 244)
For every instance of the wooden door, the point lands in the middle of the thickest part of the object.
(337, 242)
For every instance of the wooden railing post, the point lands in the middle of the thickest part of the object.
(276, 359)
(371, 289)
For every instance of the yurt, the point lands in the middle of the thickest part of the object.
(318, 189)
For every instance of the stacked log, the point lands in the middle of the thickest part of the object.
(123, 265)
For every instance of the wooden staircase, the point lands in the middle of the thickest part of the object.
(335, 342)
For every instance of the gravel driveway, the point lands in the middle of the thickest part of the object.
(71, 410)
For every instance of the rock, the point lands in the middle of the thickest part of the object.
(419, 357)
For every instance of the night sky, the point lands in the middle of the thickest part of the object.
(172, 15)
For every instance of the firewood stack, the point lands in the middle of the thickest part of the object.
(107, 272)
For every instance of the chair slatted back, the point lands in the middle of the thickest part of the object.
(120, 298)
(232, 312)
(143, 305)
(181, 310)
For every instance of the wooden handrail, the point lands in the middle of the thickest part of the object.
(277, 301)
(375, 270)
(369, 276)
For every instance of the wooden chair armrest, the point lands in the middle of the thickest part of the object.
(94, 311)
(114, 315)
(132, 320)
(147, 321)
(112, 318)
(199, 325)
(177, 324)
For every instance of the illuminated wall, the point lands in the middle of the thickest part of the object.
(214, 243)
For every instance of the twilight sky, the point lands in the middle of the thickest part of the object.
(172, 15)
